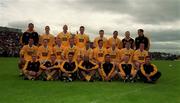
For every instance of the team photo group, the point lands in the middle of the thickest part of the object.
(70, 57)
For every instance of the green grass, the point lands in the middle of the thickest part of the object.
(15, 90)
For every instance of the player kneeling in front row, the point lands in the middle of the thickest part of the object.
(69, 68)
(148, 72)
(127, 71)
(51, 68)
(31, 69)
(88, 69)
(107, 71)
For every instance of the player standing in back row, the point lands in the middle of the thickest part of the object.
(142, 39)
(30, 33)
(81, 39)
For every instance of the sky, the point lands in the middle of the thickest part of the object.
(160, 19)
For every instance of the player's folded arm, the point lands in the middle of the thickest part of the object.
(154, 70)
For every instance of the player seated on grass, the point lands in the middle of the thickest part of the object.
(107, 70)
(139, 56)
(149, 72)
(126, 70)
(51, 68)
(26, 54)
(32, 69)
(87, 69)
(44, 51)
(69, 69)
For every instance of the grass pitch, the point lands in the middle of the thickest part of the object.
(15, 90)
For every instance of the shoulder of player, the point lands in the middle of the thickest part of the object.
(137, 51)
(51, 35)
(92, 62)
(94, 49)
(26, 32)
(110, 63)
(25, 46)
(145, 51)
(40, 47)
(111, 38)
(34, 46)
(104, 48)
(75, 62)
(132, 50)
(60, 33)
(145, 37)
(136, 38)
(131, 39)
(104, 38)
(109, 49)
(123, 49)
(97, 38)
(123, 39)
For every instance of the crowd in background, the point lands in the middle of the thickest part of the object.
(9, 44)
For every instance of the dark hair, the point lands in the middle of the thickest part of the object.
(81, 27)
(141, 30)
(99, 40)
(30, 24)
(115, 32)
(101, 30)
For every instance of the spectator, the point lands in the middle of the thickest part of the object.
(9, 43)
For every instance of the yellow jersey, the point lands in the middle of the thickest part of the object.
(58, 51)
(105, 42)
(49, 37)
(114, 54)
(64, 38)
(26, 52)
(140, 56)
(81, 40)
(73, 50)
(98, 54)
(87, 52)
(127, 52)
(122, 66)
(117, 41)
(44, 53)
